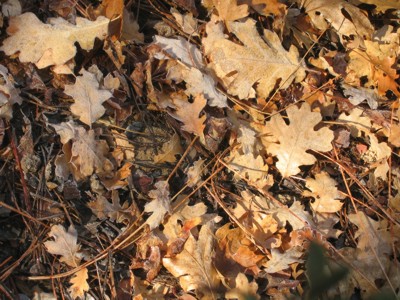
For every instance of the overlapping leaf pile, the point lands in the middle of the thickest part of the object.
(198, 157)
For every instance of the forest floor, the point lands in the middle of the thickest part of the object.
(214, 149)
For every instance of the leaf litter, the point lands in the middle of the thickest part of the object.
(198, 150)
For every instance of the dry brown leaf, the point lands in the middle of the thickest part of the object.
(51, 44)
(194, 265)
(282, 260)
(187, 22)
(11, 8)
(9, 95)
(116, 180)
(381, 5)
(377, 64)
(296, 138)
(160, 205)
(83, 153)
(324, 191)
(254, 169)
(378, 155)
(189, 114)
(103, 209)
(243, 68)
(346, 18)
(195, 172)
(88, 97)
(169, 150)
(229, 10)
(79, 284)
(64, 244)
(89, 154)
(267, 7)
(130, 28)
(243, 289)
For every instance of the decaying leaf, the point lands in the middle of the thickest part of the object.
(194, 173)
(64, 244)
(88, 97)
(255, 67)
(160, 205)
(194, 265)
(243, 289)
(9, 95)
(84, 154)
(296, 138)
(192, 122)
(169, 150)
(103, 209)
(51, 44)
(324, 191)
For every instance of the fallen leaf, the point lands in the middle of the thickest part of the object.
(194, 173)
(194, 265)
(346, 18)
(11, 8)
(241, 68)
(159, 206)
(244, 289)
(79, 284)
(51, 44)
(296, 138)
(9, 95)
(88, 97)
(324, 191)
(103, 209)
(229, 10)
(169, 150)
(64, 244)
(282, 260)
(189, 114)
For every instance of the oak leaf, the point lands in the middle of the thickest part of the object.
(189, 114)
(296, 138)
(324, 191)
(64, 244)
(258, 63)
(160, 205)
(346, 18)
(88, 97)
(103, 209)
(79, 284)
(194, 265)
(51, 44)
(9, 95)
(169, 150)
(243, 289)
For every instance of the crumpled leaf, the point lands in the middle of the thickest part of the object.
(296, 138)
(378, 154)
(88, 97)
(324, 191)
(64, 244)
(160, 205)
(194, 173)
(194, 265)
(242, 68)
(51, 44)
